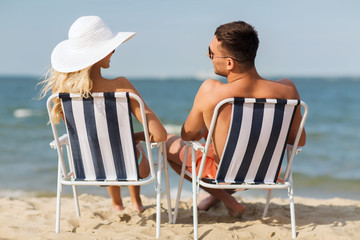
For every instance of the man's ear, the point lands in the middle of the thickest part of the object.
(230, 64)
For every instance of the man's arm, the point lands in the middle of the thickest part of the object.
(297, 117)
(194, 127)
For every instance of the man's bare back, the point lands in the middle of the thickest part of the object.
(212, 92)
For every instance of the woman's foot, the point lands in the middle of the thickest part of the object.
(118, 207)
(138, 207)
(136, 199)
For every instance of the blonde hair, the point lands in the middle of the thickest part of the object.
(58, 82)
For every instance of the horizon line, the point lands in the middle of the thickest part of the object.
(197, 78)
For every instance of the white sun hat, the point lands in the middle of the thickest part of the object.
(90, 40)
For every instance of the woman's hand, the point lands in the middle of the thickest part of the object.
(138, 137)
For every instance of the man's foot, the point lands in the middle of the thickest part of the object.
(206, 201)
(235, 209)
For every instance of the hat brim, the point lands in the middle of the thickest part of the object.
(64, 59)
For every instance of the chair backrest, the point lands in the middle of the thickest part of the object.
(100, 133)
(256, 140)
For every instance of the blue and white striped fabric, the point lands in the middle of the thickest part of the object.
(256, 141)
(101, 136)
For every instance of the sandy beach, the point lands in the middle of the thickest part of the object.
(34, 218)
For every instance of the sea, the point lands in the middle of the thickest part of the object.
(328, 167)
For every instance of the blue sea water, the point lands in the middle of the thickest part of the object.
(328, 167)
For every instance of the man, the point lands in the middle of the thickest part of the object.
(232, 52)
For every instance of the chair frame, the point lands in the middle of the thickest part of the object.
(291, 150)
(67, 177)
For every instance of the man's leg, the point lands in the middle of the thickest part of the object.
(174, 145)
(207, 200)
(234, 208)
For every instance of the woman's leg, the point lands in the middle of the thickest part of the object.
(144, 171)
(144, 168)
(115, 195)
(135, 198)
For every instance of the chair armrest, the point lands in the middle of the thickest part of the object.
(197, 146)
(289, 147)
(64, 139)
(155, 144)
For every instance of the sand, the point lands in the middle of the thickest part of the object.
(34, 218)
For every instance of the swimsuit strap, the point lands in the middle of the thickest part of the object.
(140, 157)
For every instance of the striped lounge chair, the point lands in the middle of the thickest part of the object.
(253, 153)
(100, 147)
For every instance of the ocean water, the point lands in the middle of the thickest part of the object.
(329, 165)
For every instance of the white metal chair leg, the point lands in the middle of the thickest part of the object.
(292, 216)
(158, 195)
(180, 184)
(76, 200)
(74, 188)
(194, 189)
(166, 174)
(267, 203)
(292, 209)
(58, 201)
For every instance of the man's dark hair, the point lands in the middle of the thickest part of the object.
(240, 40)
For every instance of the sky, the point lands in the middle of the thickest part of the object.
(297, 38)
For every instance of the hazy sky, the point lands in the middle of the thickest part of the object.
(297, 38)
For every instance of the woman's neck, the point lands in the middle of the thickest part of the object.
(95, 73)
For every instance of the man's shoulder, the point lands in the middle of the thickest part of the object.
(210, 88)
(283, 88)
(210, 84)
(207, 93)
(286, 81)
(282, 81)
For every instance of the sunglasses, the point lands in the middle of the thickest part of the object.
(212, 55)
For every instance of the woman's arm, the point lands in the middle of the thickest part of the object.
(157, 132)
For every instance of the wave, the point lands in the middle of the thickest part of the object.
(25, 113)
(173, 128)
(15, 193)
(325, 179)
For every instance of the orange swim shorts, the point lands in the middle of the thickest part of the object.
(210, 167)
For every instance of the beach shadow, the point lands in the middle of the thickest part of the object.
(206, 233)
(144, 218)
(278, 215)
(102, 224)
(305, 215)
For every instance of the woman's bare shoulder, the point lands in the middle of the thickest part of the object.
(122, 84)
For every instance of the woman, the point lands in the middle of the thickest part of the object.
(76, 68)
